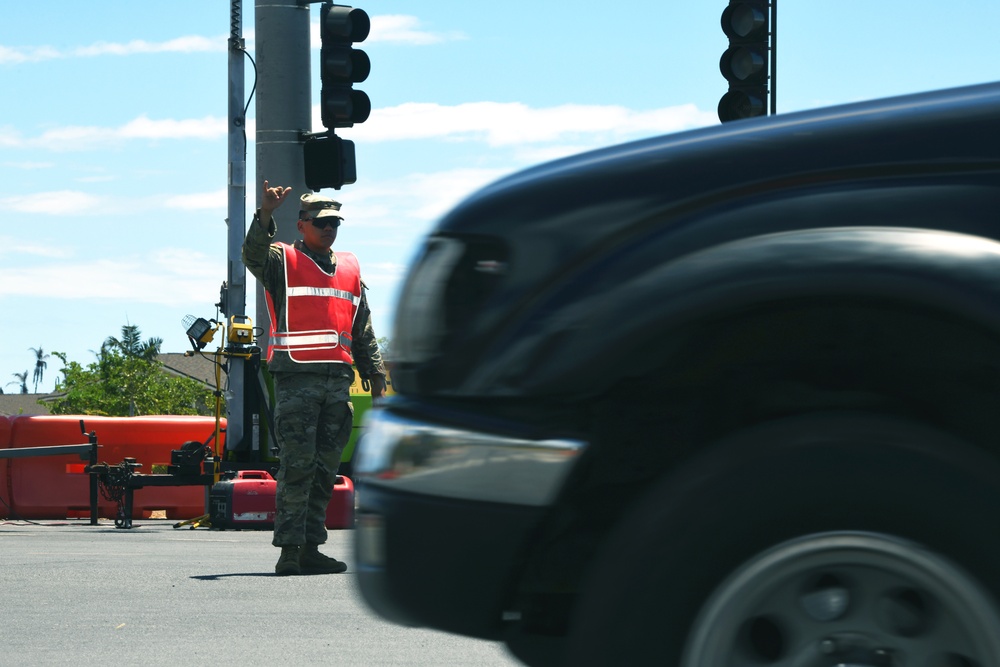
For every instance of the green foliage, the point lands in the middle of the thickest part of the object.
(126, 381)
(119, 385)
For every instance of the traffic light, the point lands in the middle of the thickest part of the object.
(745, 64)
(341, 66)
(329, 162)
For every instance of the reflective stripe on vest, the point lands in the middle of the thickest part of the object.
(319, 309)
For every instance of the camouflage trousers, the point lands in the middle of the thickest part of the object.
(313, 419)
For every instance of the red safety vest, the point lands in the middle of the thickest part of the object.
(319, 309)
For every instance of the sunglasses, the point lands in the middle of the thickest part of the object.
(323, 223)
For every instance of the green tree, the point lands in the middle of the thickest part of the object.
(126, 381)
(121, 386)
(40, 365)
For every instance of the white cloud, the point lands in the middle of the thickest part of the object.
(191, 277)
(10, 138)
(495, 123)
(70, 137)
(183, 262)
(395, 29)
(403, 29)
(209, 127)
(84, 137)
(198, 201)
(513, 123)
(385, 29)
(383, 274)
(189, 44)
(26, 166)
(12, 56)
(18, 247)
(423, 197)
(79, 203)
(58, 202)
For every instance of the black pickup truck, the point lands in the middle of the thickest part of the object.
(724, 397)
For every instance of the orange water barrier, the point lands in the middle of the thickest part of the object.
(4, 482)
(57, 487)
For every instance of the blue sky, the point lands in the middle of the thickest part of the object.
(113, 133)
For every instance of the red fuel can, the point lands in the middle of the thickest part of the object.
(340, 511)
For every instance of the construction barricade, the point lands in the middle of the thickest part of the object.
(57, 487)
(4, 484)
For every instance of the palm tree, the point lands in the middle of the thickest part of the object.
(131, 344)
(22, 379)
(40, 365)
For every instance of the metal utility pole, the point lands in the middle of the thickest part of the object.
(234, 294)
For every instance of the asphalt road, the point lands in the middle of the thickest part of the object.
(155, 595)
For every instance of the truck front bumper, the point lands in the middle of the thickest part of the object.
(444, 516)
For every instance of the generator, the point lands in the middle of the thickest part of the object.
(246, 499)
(243, 499)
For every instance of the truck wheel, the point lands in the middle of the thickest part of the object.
(846, 598)
(821, 540)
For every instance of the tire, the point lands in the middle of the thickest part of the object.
(819, 540)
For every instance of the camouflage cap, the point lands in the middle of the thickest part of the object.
(318, 206)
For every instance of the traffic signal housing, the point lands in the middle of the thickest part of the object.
(746, 63)
(329, 162)
(341, 66)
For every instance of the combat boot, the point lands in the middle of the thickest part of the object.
(311, 561)
(288, 563)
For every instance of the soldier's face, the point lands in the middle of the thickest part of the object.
(319, 239)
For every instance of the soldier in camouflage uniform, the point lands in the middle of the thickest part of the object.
(312, 372)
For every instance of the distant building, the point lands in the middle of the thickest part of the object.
(197, 367)
(24, 404)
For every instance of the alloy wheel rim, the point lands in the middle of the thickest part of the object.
(847, 600)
